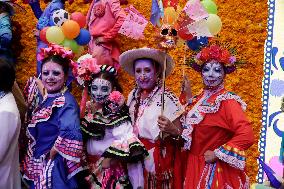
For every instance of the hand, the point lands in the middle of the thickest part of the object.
(36, 32)
(99, 40)
(210, 156)
(41, 87)
(52, 153)
(167, 126)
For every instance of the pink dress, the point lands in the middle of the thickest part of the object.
(104, 19)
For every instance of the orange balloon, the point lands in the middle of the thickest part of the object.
(71, 29)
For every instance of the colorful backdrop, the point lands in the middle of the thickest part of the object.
(244, 26)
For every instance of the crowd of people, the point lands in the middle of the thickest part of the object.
(148, 141)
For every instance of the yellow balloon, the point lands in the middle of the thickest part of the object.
(214, 24)
(54, 34)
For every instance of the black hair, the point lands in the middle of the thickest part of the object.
(154, 63)
(64, 62)
(7, 75)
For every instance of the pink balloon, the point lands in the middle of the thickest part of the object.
(79, 18)
(276, 165)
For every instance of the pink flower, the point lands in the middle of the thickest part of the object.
(91, 65)
(116, 97)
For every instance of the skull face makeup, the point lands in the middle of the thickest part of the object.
(213, 74)
(168, 36)
(145, 74)
(100, 89)
(53, 77)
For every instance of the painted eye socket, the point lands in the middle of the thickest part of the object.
(45, 73)
(138, 70)
(56, 73)
(205, 69)
(104, 88)
(94, 88)
(174, 32)
(218, 70)
(147, 70)
(165, 31)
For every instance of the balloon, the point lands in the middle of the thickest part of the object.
(210, 6)
(214, 24)
(42, 34)
(71, 29)
(84, 37)
(197, 42)
(54, 34)
(60, 16)
(69, 43)
(79, 18)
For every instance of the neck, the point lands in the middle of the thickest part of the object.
(214, 89)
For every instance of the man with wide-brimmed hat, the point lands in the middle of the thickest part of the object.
(163, 168)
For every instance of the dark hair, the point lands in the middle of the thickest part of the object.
(154, 63)
(59, 60)
(7, 75)
(107, 76)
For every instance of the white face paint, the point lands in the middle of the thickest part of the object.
(212, 74)
(100, 90)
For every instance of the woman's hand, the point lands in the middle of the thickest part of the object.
(52, 153)
(167, 126)
(210, 156)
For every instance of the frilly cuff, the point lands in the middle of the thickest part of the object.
(42, 22)
(131, 150)
(70, 149)
(231, 155)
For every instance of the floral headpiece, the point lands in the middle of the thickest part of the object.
(87, 67)
(54, 49)
(215, 53)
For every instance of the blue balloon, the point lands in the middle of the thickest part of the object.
(83, 38)
(197, 42)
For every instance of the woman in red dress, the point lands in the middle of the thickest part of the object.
(216, 129)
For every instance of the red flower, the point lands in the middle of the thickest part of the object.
(215, 52)
(225, 56)
(205, 54)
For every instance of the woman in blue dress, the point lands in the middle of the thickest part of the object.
(55, 141)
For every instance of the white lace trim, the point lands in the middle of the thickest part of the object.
(186, 135)
(231, 160)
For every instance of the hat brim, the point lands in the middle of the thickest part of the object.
(128, 58)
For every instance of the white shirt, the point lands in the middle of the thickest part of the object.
(10, 125)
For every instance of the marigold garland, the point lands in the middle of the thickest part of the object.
(244, 26)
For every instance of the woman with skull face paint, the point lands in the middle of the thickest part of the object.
(113, 149)
(162, 168)
(216, 129)
(55, 141)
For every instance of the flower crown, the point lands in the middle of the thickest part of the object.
(54, 49)
(215, 53)
(87, 67)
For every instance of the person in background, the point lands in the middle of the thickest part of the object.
(10, 129)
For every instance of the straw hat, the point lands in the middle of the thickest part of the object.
(128, 58)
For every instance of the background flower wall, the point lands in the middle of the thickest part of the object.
(244, 26)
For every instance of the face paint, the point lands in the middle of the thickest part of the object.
(100, 89)
(53, 77)
(212, 74)
(145, 74)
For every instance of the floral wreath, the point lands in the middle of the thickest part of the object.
(216, 53)
(87, 67)
(54, 49)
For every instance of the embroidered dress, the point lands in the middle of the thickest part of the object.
(110, 135)
(54, 123)
(104, 19)
(216, 121)
(163, 167)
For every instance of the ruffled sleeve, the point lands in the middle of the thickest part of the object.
(119, 16)
(69, 142)
(233, 151)
(125, 146)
